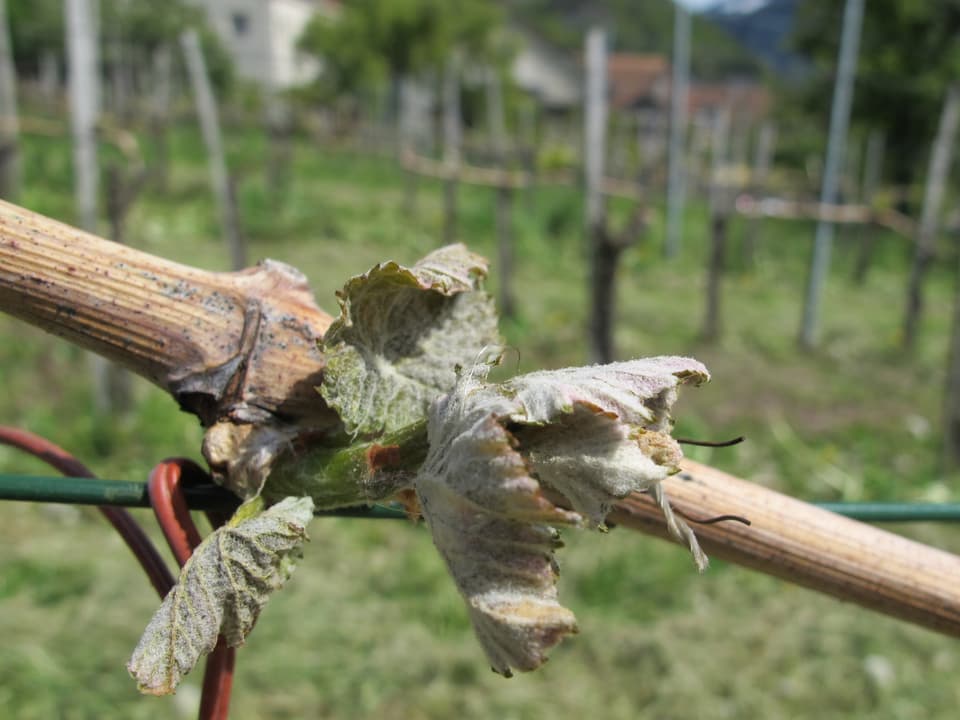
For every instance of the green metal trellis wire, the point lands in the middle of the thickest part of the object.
(124, 493)
(92, 491)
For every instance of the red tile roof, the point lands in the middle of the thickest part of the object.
(637, 79)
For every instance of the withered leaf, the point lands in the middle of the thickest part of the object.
(592, 434)
(401, 334)
(639, 392)
(593, 459)
(221, 590)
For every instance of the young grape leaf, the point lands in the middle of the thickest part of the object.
(638, 392)
(221, 590)
(592, 434)
(593, 459)
(401, 334)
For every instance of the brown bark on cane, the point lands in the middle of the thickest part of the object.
(809, 546)
(239, 345)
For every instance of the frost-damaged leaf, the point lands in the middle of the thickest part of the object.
(593, 459)
(400, 335)
(221, 590)
(592, 434)
(638, 392)
(599, 433)
(489, 521)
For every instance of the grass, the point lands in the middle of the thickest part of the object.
(370, 626)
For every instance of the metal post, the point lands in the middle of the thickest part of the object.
(452, 141)
(839, 121)
(84, 106)
(872, 170)
(210, 125)
(678, 128)
(595, 124)
(9, 123)
(497, 129)
(941, 156)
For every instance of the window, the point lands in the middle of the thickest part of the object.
(241, 23)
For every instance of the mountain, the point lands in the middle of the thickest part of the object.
(763, 28)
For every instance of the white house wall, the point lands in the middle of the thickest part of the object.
(288, 18)
(261, 37)
(541, 71)
(243, 28)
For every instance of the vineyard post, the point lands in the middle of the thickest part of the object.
(50, 82)
(210, 126)
(719, 222)
(698, 155)
(951, 407)
(941, 156)
(504, 193)
(676, 191)
(839, 121)
(161, 77)
(739, 142)
(9, 122)
(120, 86)
(766, 142)
(528, 123)
(109, 393)
(452, 140)
(872, 171)
(84, 87)
(602, 261)
(850, 185)
(650, 143)
(410, 134)
(277, 117)
(595, 127)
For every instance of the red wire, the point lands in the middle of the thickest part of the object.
(122, 521)
(171, 509)
(173, 514)
(218, 682)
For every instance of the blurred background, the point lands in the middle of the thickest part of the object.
(766, 185)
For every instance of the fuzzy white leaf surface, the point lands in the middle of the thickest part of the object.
(401, 334)
(221, 590)
(592, 434)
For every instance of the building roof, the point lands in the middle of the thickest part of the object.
(637, 80)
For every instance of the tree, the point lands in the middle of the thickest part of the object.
(140, 20)
(37, 28)
(376, 40)
(908, 55)
(145, 26)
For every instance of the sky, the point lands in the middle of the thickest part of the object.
(697, 5)
(739, 5)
